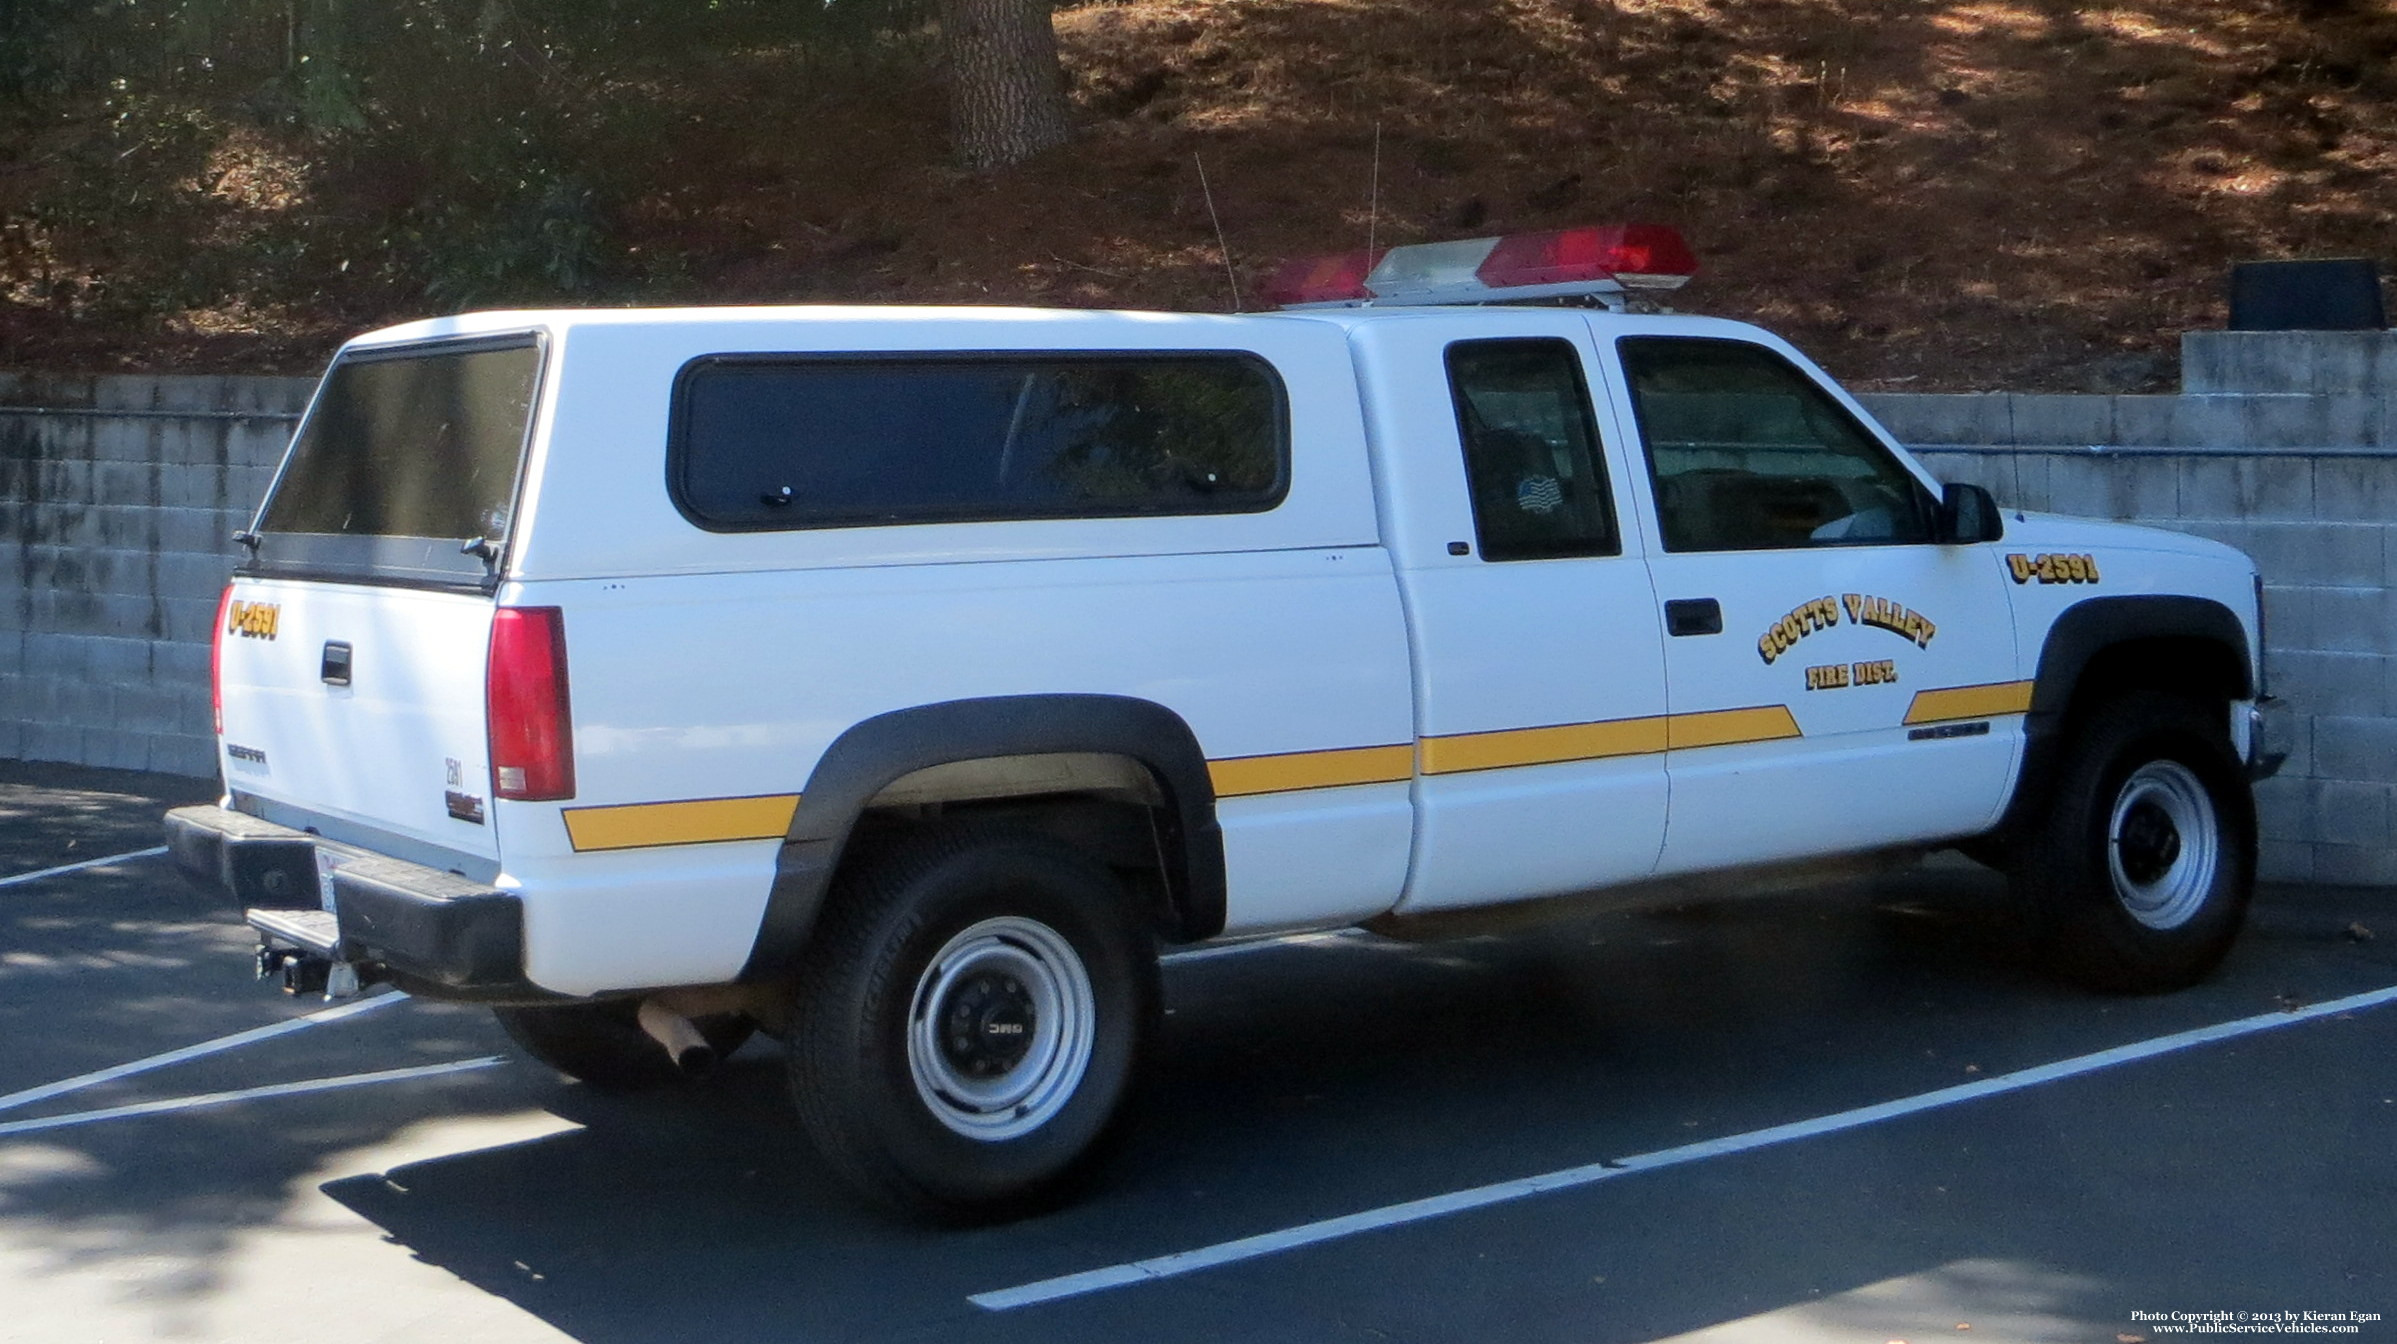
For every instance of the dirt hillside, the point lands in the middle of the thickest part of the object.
(1925, 194)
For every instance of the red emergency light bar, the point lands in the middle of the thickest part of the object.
(1594, 262)
(1322, 279)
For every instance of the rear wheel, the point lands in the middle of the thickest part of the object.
(602, 1044)
(2140, 874)
(969, 1019)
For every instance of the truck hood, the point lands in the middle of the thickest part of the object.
(2061, 532)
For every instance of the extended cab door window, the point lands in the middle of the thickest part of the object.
(1538, 483)
(1747, 453)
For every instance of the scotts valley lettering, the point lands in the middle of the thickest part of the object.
(1859, 609)
(1888, 615)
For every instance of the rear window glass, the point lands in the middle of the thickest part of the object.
(407, 457)
(418, 445)
(816, 442)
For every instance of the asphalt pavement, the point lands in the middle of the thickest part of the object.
(1851, 1114)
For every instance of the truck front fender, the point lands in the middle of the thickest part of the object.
(2168, 641)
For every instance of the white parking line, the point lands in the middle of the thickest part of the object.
(207, 1099)
(150, 853)
(1413, 1211)
(222, 1043)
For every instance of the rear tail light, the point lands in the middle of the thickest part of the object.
(525, 705)
(216, 663)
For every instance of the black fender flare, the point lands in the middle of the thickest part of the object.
(873, 753)
(2087, 629)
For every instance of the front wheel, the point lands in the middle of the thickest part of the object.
(969, 1018)
(2140, 874)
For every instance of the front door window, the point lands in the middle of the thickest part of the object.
(1748, 454)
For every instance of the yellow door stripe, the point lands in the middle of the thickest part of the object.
(1730, 727)
(1459, 752)
(1970, 702)
(1245, 775)
(698, 822)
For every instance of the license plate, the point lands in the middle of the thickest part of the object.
(325, 865)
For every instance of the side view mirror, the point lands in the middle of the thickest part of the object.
(1967, 515)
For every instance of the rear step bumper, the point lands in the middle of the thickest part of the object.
(432, 931)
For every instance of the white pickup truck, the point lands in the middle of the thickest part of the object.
(898, 680)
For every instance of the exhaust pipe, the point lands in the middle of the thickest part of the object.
(689, 1050)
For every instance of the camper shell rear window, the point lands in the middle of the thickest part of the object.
(782, 441)
(407, 458)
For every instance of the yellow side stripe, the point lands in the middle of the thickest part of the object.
(1730, 727)
(1246, 775)
(1970, 702)
(1459, 752)
(697, 822)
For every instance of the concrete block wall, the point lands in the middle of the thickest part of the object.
(2305, 483)
(119, 496)
(2323, 363)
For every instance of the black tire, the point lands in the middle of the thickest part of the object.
(602, 1044)
(2138, 877)
(969, 1018)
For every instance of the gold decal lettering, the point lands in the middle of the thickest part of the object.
(1881, 672)
(253, 620)
(1804, 619)
(2058, 568)
(1898, 619)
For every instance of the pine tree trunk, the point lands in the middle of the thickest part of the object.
(1006, 99)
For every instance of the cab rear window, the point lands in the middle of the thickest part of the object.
(406, 457)
(782, 442)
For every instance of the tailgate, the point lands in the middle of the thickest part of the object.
(351, 658)
(360, 710)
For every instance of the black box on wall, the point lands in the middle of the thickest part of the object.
(2342, 294)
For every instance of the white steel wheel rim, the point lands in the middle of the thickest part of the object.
(973, 1071)
(2162, 844)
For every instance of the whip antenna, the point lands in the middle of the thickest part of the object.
(1225, 248)
(1373, 192)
